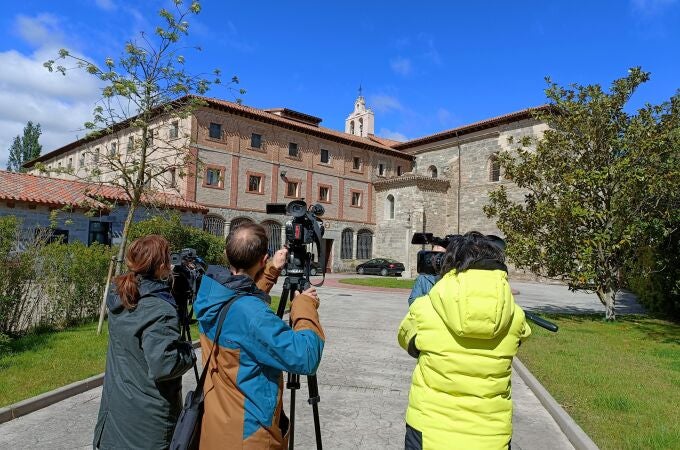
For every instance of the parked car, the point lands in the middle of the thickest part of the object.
(381, 266)
(314, 269)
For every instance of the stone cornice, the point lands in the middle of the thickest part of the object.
(422, 182)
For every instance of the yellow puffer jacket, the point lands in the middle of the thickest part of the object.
(467, 329)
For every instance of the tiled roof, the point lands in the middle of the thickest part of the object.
(23, 187)
(384, 141)
(469, 128)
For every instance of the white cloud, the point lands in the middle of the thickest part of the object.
(41, 30)
(60, 104)
(107, 5)
(650, 7)
(402, 66)
(384, 103)
(389, 134)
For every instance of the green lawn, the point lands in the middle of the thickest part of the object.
(387, 282)
(41, 362)
(620, 381)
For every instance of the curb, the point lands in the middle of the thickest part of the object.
(578, 438)
(33, 404)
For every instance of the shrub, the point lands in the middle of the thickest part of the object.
(17, 277)
(73, 277)
(208, 246)
(655, 277)
(47, 285)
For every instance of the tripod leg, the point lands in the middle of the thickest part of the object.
(293, 385)
(314, 400)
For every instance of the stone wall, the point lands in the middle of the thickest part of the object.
(458, 208)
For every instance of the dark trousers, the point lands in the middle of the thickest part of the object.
(414, 439)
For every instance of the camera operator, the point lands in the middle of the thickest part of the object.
(146, 357)
(424, 281)
(464, 332)
(243, 389)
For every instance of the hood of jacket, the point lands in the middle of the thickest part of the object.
(476, 303)
(218, 286)
(146, 287)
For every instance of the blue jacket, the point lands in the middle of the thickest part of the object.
(422, 286)
(244, 388)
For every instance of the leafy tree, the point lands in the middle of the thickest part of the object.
(600, 184)
(24, 148)
(147, 94)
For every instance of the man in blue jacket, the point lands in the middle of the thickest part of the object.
(244, 386)
(424, 281)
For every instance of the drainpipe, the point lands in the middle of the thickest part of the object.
(408, 244)
(458, 190)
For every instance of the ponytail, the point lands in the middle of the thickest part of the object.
(148, 256)
(126, 286)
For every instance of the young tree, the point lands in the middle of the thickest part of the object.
(147, 96)
(600, 183)
(24, 148)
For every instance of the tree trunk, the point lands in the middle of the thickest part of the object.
(123, 239)
(607, 297)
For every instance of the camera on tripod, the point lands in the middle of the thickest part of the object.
(429, 261)
(187, 270)
(304, 228)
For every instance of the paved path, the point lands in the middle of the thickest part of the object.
(538, 297)
(363, 380)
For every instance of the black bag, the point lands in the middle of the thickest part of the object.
(188, 429)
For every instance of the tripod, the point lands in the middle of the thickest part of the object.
(291, 284)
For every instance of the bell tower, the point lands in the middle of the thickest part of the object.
(361, 122)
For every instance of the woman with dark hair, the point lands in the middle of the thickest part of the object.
(146, 358)
(464, 332)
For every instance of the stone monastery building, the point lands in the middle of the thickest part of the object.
(377, 192)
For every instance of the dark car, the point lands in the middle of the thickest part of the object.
(314, 269)
(381, 266)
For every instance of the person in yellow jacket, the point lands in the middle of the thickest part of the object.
(464, 332)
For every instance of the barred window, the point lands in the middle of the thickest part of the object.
(347, 246)
(364, 244)
(214, 224)
(494, 168)
(432, 171)
(238, 221)
(273, 230)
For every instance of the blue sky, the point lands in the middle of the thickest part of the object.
(424, 66)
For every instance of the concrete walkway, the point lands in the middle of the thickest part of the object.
(363, 381)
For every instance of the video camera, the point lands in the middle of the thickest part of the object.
(304, 228)
(187, 270)
(429, 261)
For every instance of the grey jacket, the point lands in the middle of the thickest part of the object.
(142, 395)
